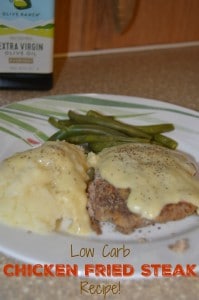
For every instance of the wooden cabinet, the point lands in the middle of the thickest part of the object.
(84, 25)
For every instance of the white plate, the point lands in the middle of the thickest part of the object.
(149, 245)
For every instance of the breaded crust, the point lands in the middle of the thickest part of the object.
(107, 203)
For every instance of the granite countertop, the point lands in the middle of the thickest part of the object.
(170, 75)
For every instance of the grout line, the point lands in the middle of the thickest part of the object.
(127, 49)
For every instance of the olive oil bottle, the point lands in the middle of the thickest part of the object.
(26, 44)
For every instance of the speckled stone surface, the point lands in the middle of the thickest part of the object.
(170, 75)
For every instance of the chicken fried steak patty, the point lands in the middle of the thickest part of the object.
(107, 203)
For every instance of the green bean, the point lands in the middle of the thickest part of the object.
(92, 138)
(97, 147)
(61, 124)
(150, 129)
(97, 131)
(165, 141)
(111, 123)
(65, 122)
(59, 135)
(93, 113)
(83, 129)
(55, 122)
(79, 129)
(97, 143)
(157, 128)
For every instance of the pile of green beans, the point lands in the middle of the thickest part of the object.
(96, 131)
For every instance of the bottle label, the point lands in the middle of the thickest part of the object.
(26, 36)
